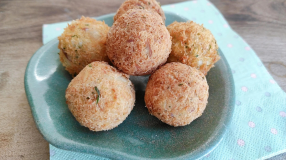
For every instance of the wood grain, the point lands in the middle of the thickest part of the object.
(262, 23)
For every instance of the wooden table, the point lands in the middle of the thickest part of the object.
(262, 23)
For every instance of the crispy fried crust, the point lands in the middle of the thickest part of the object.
(83, 42)
(138, 42)
(176, 94)
(194, 45)
(140, 4)
(115, 102)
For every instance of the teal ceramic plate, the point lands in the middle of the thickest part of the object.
(140, 136)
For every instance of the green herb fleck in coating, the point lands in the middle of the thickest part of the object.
(98, 94)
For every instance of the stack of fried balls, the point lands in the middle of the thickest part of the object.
(101, 58)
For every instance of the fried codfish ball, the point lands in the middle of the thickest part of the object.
(194, 45)
(100, 97)
(138, 42)
(140, 4)
(82, 42)
(177, 94)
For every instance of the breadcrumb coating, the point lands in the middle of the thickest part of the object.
(100, 97)
(140, 4)
(177, 94)
(138, 42)
(82, 42)
(194, 45)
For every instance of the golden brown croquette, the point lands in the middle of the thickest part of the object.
(176, 94)
(140, 4)
(100, 97)
(194, 45)
(82, 42)
(138, 42)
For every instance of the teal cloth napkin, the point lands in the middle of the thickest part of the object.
(258, 128)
